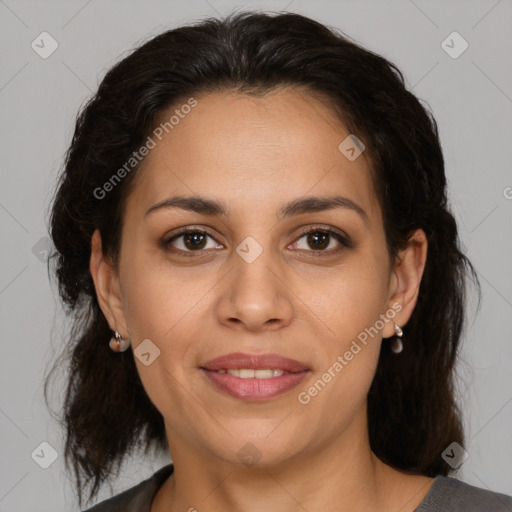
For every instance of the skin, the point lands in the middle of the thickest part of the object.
(256, 154)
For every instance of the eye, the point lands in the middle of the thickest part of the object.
(321, 239)
(189, 240)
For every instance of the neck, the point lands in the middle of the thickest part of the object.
(344, 475)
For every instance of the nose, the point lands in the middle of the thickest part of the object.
(255, 296)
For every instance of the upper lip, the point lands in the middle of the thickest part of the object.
(254, 362)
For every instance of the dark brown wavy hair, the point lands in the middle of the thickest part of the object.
(412, 410)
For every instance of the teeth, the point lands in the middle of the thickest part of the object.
(247, 373)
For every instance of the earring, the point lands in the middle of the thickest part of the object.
(396, 343)
(117, 344)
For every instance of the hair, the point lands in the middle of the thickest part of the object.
(412, 410)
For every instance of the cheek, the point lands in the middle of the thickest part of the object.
(348, 298)
(350, 354)
(349, 304)
(156, 296)
(162, 307)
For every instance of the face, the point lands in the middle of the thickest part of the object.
(263, 277)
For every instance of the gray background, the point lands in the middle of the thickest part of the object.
(471, 97)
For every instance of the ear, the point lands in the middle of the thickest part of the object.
(106, 283)
(406, 280)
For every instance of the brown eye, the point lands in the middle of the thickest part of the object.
(189, 240)
(321, 239)
(318, 240)
(194, 241)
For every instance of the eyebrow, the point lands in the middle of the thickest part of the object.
(310, 204)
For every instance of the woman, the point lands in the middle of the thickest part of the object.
(253, 211)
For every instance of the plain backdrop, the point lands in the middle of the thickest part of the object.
(470, 95)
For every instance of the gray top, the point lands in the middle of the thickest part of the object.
(447, 494)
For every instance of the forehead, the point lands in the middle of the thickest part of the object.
(242, 148)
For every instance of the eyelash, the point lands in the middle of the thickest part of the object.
(342, 239)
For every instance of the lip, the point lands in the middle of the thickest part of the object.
(255, 362)
(254, 389)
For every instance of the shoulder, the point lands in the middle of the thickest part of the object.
(448, 494)
(137, 498)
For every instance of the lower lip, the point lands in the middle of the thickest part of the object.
(254, 389)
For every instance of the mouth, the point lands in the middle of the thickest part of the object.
(249, 373)
(254, 377)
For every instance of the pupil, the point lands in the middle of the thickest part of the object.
(316, 236)
(195, 237)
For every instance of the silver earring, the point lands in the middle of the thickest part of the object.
(396, 343)
(117, 344)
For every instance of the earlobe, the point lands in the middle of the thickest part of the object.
(106, 283)
(408, 273)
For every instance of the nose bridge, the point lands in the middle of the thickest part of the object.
(255, 294)
(252, 275)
